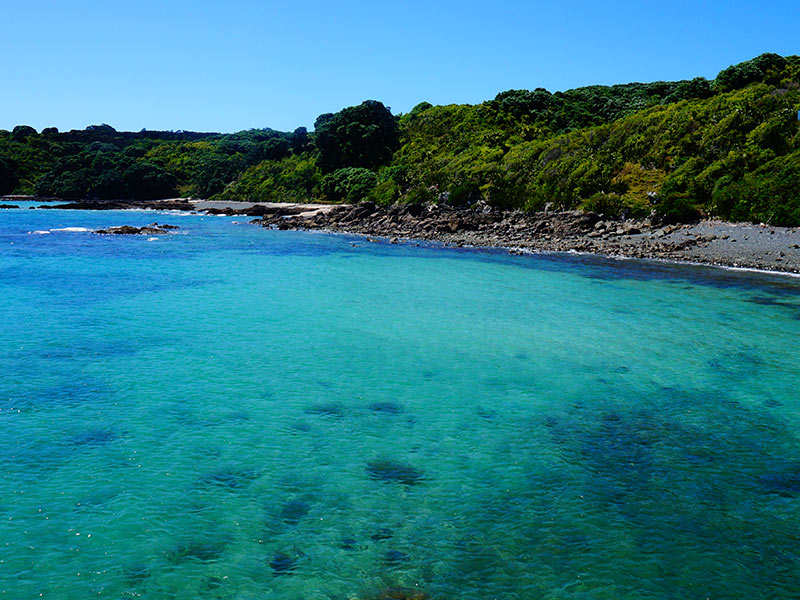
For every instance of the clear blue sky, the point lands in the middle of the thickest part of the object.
(228, 66)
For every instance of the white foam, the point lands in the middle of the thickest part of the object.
(71, 229)
(152, 239)
(40, 232)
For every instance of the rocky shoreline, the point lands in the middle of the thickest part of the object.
(708, 242)
(743, 245)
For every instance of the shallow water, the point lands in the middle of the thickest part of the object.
(231, 412)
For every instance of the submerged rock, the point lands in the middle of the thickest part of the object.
(283, 564)
(394, 472)
(94, 437)
(550, 421)
(348, 544)
(231, 478)
(394, 558)
(389, 408)
(382, 534)
(325, 410)
(136, 573)
(486, 413)
(293, 511)
(784, 483)
(200, 551)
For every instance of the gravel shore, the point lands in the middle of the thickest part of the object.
(744, 245)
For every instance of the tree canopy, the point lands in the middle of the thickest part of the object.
(357, 136)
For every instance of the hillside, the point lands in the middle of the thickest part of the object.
(726, 148)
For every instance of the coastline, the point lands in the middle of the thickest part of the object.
(746, 246)
(760, 248)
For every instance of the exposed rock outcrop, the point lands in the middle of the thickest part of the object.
(151, 229)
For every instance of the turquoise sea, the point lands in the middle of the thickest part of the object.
(230, 412)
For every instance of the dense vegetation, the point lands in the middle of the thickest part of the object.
(728, 148)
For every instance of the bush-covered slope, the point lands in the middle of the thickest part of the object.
(733, 154)
(728, 148)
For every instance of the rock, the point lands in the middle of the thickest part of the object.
(394, 472)
(784, 483)
(94, 437)
(454, 224)
(8, 206)
(152, 229)
(220, 211)
(389, 408)
(293, 511)
(229, 478)
(183, 205)
(394, 558)
(282, 564)
(382, 534)
(200, 551)
(415, 210)
(326, 410)
(259, 210)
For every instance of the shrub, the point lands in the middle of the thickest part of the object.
(351, 185)
(609, 205)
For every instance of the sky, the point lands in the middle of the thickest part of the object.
(227, 66)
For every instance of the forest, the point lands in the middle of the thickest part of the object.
(725, 148)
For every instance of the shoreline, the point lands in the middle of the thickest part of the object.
(742, 246)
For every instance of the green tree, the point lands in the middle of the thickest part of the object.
(357, 136)
(8, 176)
(20, 133)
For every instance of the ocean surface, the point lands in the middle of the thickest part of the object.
(229, 412)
